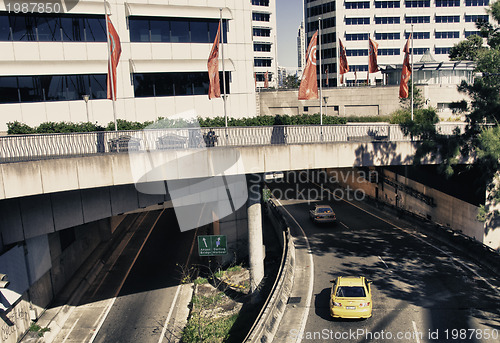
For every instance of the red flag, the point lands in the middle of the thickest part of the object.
(327, 76)
(406, 71)
(115, 50)
(343, 65)
(255, 79)
(309, 85)
(213, 69)
(372, 57)
(266, 80)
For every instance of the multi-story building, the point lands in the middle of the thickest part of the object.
(437, 25)
(264, 42)
(301, 49)
(56, 56)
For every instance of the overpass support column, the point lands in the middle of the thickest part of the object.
(255, 241)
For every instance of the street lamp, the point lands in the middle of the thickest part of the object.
(86, 98)
(325, 98)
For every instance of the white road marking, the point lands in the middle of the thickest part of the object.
(347, 227)
(123, 281)
(417, 333)
(385, 264)
(311, 279)
(71, 330)
(169, 314)
(416, 236)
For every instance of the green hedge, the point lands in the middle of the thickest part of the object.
(16, 128)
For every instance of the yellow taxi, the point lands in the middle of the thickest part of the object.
(351, 297)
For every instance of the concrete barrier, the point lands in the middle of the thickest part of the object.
(267, 322)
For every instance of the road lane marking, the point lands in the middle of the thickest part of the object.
(417, 333)
(124, 279)
(414, 235)
(385, 264)
(311, 279)
(347, 227)
(71, 330)
(169, 314)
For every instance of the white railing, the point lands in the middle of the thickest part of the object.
(14, 148)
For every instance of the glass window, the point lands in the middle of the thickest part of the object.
(144, 85)
(164, 84)
(72, 29)
(30, 88)
(54, 87)
(23, 27)
(98, 86)
(179, 31)
(199, 32)
(139, 29)
(8, 89)
(212, 29)
(160, 30)
(95, 30)
(4, 27)
(48, 29)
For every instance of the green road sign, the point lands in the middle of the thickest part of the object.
(212, 245)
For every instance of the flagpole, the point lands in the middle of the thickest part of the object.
(221, 38)
(320, 80)
(110, 69)
(411, 101)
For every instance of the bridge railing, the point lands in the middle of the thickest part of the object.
(15, 148)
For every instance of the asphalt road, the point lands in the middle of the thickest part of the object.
(423, 291)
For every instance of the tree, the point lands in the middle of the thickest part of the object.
(418, 99)
(291, 82)
(478, 140)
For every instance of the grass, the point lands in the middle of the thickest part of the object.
(210, 330)
(37, 328)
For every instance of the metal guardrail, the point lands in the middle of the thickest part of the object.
(17, 148)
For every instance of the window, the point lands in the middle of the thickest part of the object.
(447, 34)
(260, 16)
(363, 67)
(328, 38)
(388, 52)
(325, 23)
(262, 62)
(447, 19)
(387, 35)
(417, 3)
(387, 20)
(262, 76)
(260, 2)
(470, 33)
(257, 32)
(356, 36)
(356, 52)
(174, 30)
(477, 2)
(418, 35)
(387, 4)
(417, 20)
(447, 3)
(357, 5)
(321, 9)
(40, 88)
(442, 51)
(419, 51)
(48, 28)
(174, 84)
(475, 18)
(262, 47)
(357, 21)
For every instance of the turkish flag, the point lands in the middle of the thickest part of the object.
(343, 65)
(406, 71)
(115, 52)
(309, 85)
(266, 80)
(372, 56)
(213, 69)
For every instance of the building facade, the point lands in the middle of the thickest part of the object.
(264, 42)
(301, 49)
(54, 58)
(437, 25)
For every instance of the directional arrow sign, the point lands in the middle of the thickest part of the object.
(212, 245)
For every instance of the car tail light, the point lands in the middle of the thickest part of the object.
(364, 304)
(337, 304)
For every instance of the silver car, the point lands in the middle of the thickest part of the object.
(322, 214)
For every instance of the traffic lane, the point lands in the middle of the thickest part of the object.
(417, 287)
(142, 306)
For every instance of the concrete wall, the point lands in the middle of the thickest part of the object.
(355, 101)
(401, 192)
(48, 268)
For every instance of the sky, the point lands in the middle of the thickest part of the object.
(288, 18)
